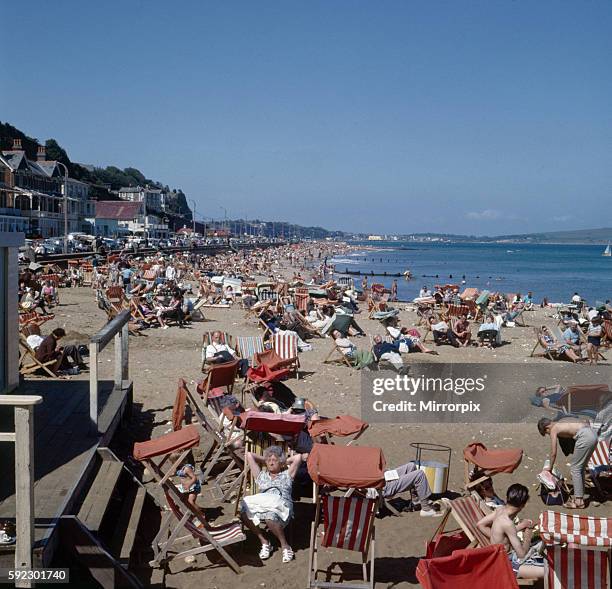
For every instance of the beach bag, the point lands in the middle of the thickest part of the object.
(553, 490)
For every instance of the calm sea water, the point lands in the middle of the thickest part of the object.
(552, 271)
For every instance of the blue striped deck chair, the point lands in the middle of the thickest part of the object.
(249, 345)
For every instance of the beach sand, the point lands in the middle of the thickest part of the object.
(160, 358)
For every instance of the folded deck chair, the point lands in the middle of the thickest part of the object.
(488, 462)
(578, 550)
(29, 363)
(348, 522)
(343, 426)
(584, 399)
(179, 516)
(222, 429)
(468, 569)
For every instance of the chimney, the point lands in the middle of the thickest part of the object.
(41, 154)
(17, 145)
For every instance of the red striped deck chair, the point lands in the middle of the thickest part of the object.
(600, 465)
(179, 516)
(457, 310)
(467, 512)
(116, 297)
(285, 346)
(149, 275)
(348, 521)
(301, 301)
(578, 550)
(607, 333)
(33, 318)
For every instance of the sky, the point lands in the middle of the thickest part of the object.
(469, 117)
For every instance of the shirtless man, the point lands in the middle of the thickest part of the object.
(586, 441)
(500, 528)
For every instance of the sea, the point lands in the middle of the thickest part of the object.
(552, 271)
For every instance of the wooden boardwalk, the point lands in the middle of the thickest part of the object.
(64, 452)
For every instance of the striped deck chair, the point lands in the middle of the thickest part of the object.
(457, 310)
(33, 318)
(600, 464)
(249, 345)
(348, 520)
(285, 346)
(115, 295)
(301, 301)
(578, 550)
(179, 516)
(606, 328)
(467, 512)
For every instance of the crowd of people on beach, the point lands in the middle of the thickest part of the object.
(293, 292)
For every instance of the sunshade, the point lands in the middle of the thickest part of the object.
(285, 424)
(185, 438)
(342, 425)
(359, 467)
(493, 461)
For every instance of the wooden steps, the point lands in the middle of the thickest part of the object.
(108, 531)
(98, 499)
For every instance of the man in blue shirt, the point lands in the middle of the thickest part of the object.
(571, 336)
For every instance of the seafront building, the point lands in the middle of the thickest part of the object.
(32, 194)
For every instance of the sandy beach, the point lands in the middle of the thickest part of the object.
(160, 358)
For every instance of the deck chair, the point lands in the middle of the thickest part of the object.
(467, 512)
(218, 377)
(487, 463)
(226, 339)
(336, 356)
(223, 436)
(261, 375)
(115, 295)
(578, 550)
(179, 517)
(263, 430)
(347, 521)
(472, 568)
(249, 345)
(600, 465)
(457, 310)
(285, 347)
(544, 353)
(29, 363)
(606, 327)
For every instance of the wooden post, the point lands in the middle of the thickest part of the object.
(93, 387)
(24, 477)
(24, 488)
(118, 360)
(125, 353)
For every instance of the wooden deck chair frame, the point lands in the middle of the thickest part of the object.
(544, 353)
(336, 356)
(169, 536)
(368, 553)
(36, 364)
(221, 451)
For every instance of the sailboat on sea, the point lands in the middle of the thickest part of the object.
(607, 252)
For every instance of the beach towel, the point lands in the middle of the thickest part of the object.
(265, 503)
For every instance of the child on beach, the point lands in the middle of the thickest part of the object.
(501, 529)
(190, 486)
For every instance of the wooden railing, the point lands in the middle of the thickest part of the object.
(23, 438)
(116, 329)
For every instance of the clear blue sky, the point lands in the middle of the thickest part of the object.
(472, 117)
